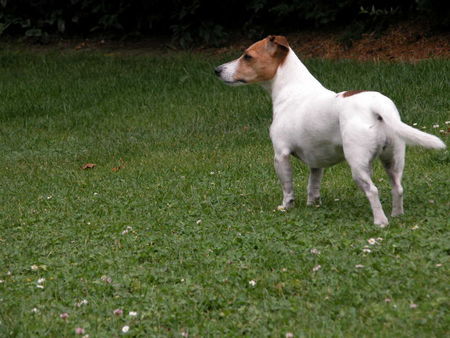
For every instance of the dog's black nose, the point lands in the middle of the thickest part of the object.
(218, 70)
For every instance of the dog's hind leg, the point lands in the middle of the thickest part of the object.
(360, 156)
(393, 159)
(284, 171)
(363, 180)
(315, 177)
(362, 141)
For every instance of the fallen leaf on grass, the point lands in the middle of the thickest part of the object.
(121, 166)
(88, 166)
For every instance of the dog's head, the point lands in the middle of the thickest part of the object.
(258, 63)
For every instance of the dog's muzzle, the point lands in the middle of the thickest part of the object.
(223, 73)
(218, 70)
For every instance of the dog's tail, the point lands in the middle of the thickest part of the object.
(408, 134)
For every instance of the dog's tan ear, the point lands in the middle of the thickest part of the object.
(279, 40)
(277, 45)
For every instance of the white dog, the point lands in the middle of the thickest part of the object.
(323, 128)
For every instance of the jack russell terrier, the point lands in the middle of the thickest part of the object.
(322, 128)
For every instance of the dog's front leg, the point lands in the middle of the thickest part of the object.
(284, 171)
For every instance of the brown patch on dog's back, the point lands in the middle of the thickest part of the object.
(352, 92)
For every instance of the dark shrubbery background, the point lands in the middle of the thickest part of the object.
(204, 21)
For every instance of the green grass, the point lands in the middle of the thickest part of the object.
(198, 190)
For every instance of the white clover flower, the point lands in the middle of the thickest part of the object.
(252, 282)
(314, 251)
(64, 315)
(79, 330)
(198, 221)
(435, 125)
(413, 306)
(372, 241)
(106, 279)
(125, 329)
(317, 268)
(127, 230)
(132, 313)
(34, 267)
(118, 312)
(415, 227)
(366, 250)
(35, 310)
(359, 266)
(39, 282)
(83, 302)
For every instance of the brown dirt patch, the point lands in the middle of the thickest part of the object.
(407, 41)
(403, 42)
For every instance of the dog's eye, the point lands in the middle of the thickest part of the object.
(247, 57)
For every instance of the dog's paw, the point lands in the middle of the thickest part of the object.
(281, 208)
(286, 204)
(382, 223)
(314, 202)
(396, 213)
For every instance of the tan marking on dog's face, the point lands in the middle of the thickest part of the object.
(261, 60)
(352, 92)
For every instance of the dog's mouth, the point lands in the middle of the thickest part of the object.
(235, 82)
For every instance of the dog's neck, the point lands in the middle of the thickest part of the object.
(292, 76)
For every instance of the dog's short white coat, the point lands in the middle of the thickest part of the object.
(322, 128)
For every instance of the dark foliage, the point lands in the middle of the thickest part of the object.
(203, 21)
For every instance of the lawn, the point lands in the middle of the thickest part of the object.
(176, 222)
